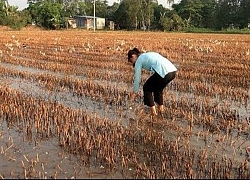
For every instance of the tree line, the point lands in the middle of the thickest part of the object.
(132, 14)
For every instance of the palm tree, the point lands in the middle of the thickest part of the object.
(170, 1)
(6, 7)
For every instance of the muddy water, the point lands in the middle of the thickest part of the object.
(68, 98)
(65, 97)
(45, 156)
(43, 159)
(46, 159)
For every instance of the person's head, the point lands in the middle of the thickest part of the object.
(133, 54)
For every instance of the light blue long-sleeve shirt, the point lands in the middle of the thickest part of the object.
(153, 62)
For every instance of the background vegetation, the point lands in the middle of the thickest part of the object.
(188, 15)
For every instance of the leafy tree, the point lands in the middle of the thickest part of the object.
(191, 11)
(2, 12)
(244, 14)
(224, 14)
(173, 22)
(10, 16)
(33, 9)
(208, 13)
(70, 7)
(111, 11)
(147, 12)
(133, 14)
(87, 8)
(49, 15)
(126, 16)
(166, 23)
(101, 8)
(19, 19)
(177, 22)
(159, 11)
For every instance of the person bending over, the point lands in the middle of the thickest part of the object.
(163, 70)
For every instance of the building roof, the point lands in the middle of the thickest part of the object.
(90, 17)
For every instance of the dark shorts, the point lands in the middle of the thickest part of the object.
(154, 86)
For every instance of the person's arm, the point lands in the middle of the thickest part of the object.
(137, 77)
(137, 80)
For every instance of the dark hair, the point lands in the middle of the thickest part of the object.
(133, 51)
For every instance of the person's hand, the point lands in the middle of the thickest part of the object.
(132, 96)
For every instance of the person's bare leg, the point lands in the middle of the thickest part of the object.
(161, 108)
(153, 111)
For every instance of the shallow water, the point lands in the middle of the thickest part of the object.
(44, 158)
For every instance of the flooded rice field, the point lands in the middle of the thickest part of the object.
(65, 108)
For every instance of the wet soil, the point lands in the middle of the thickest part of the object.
(23, 156)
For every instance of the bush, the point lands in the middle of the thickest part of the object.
(225, 31)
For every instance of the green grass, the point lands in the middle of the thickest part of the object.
(224, 31)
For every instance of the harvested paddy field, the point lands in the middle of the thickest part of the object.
(65, 108)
